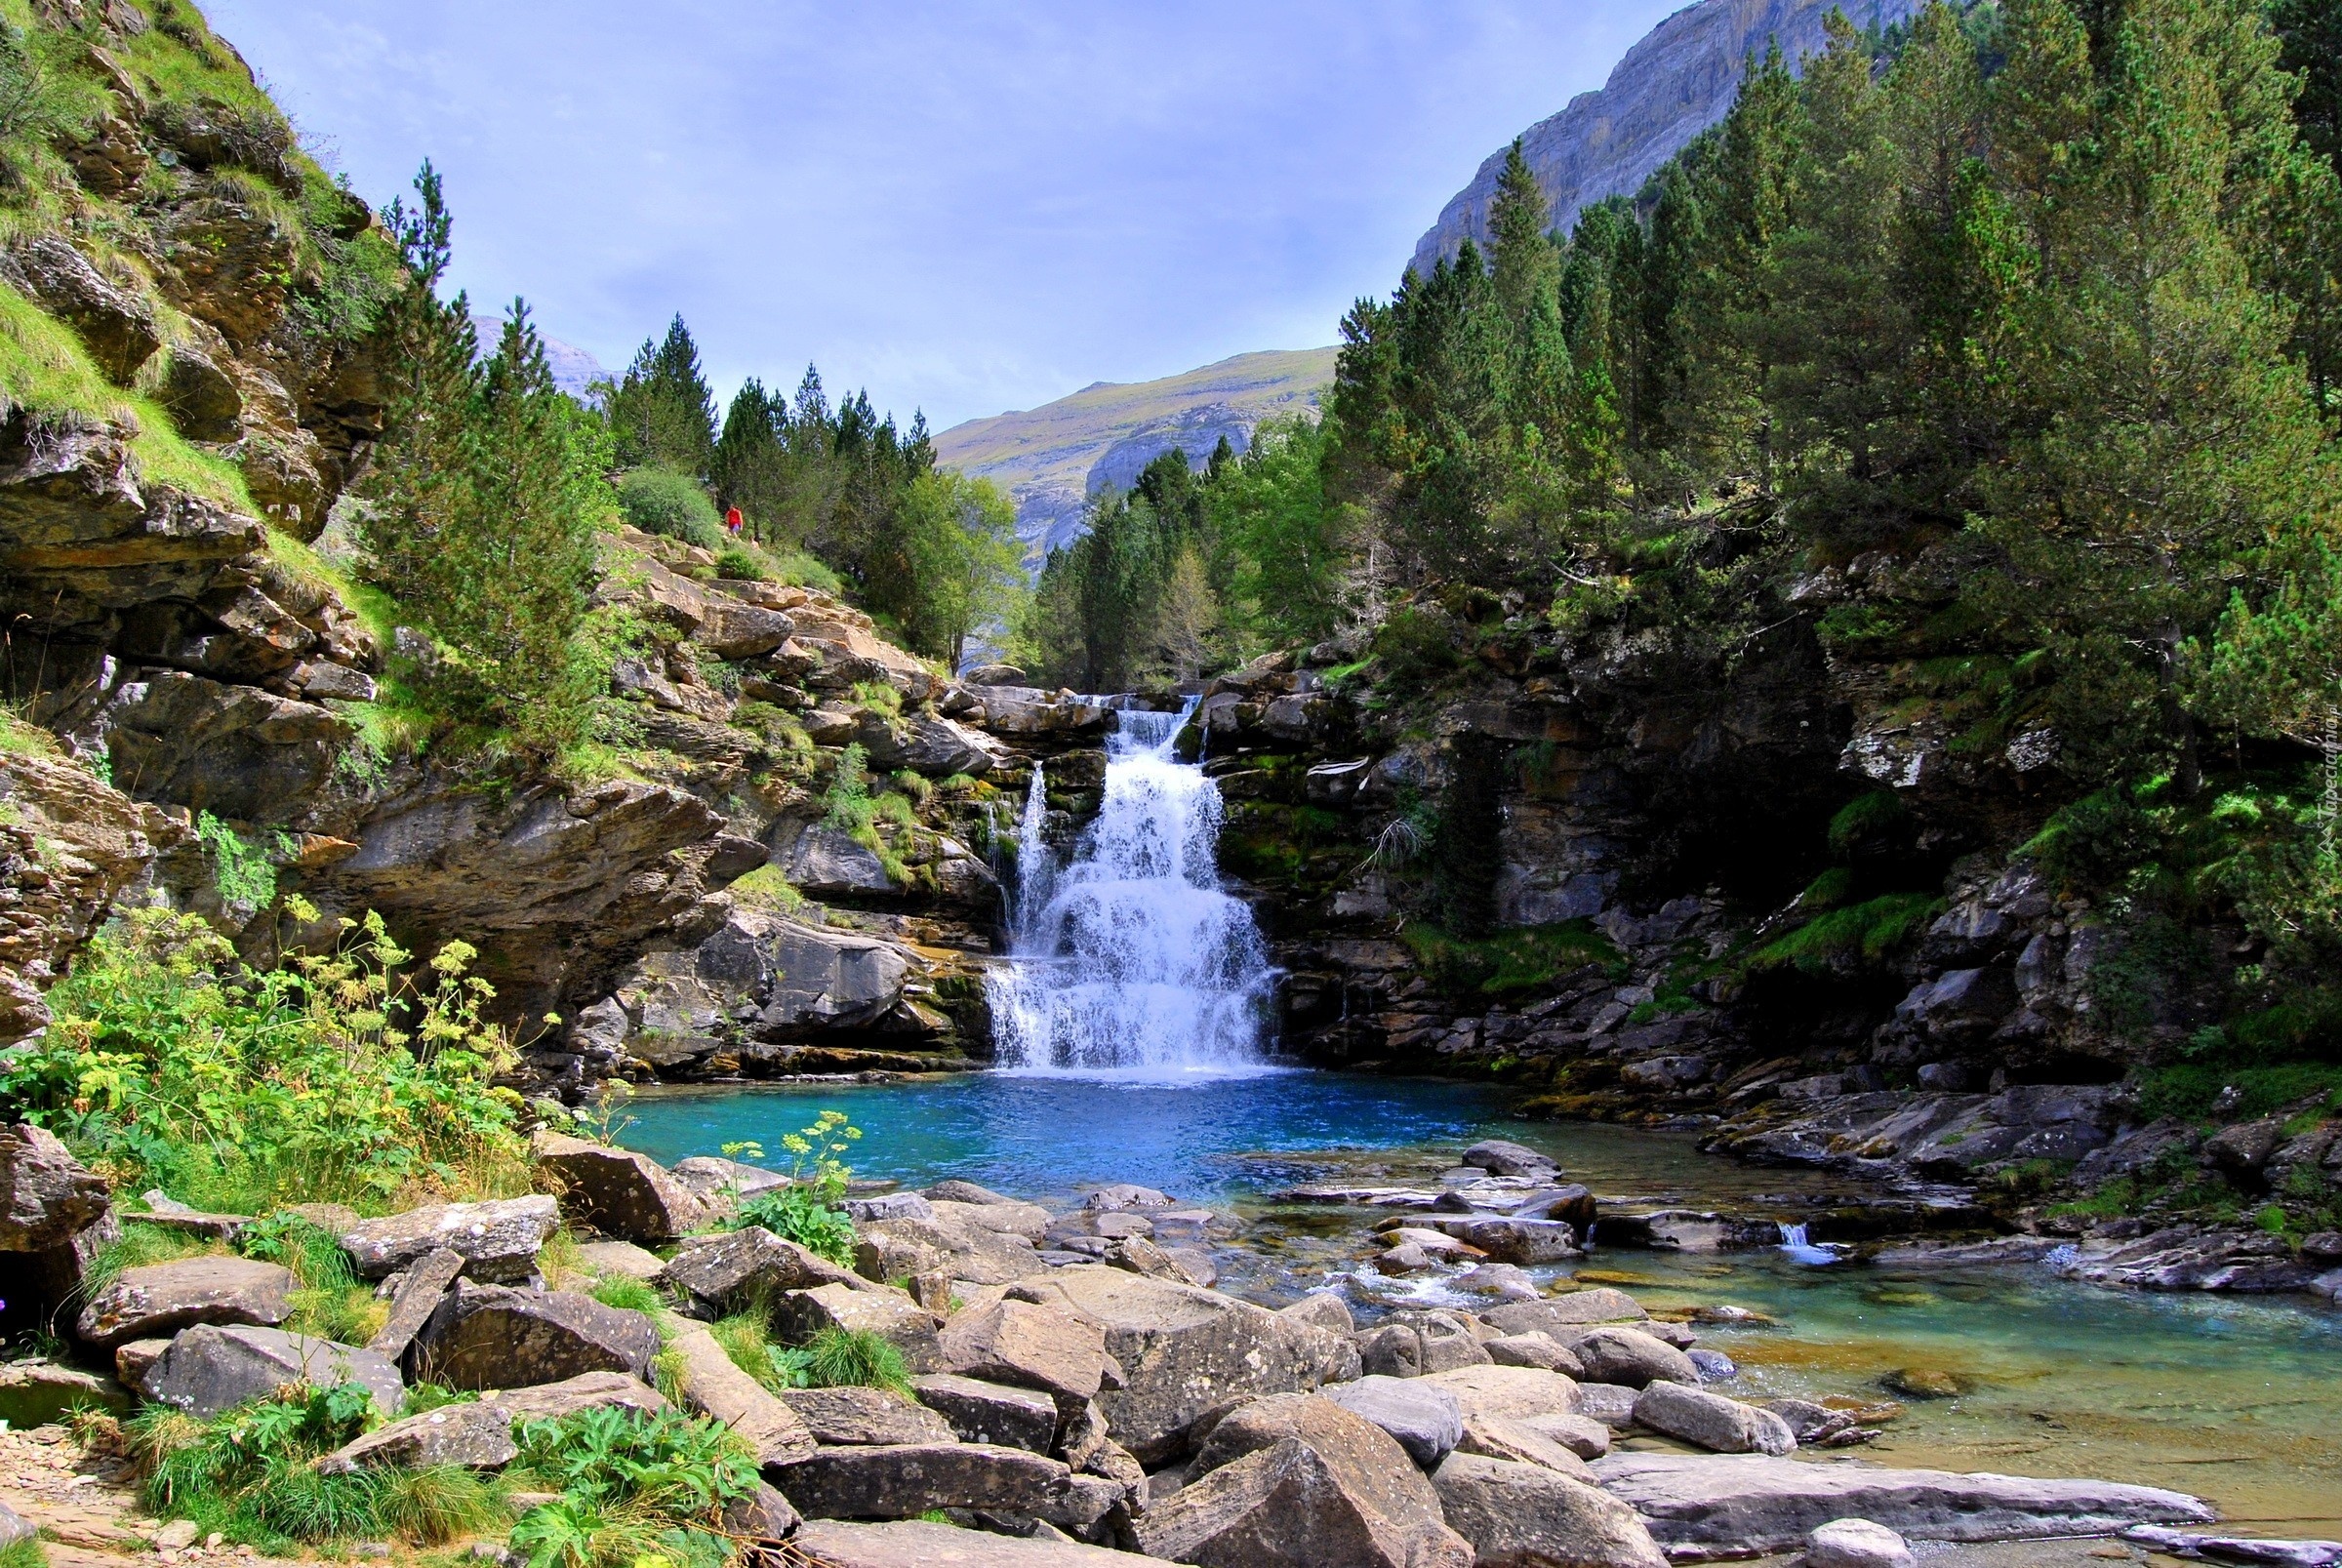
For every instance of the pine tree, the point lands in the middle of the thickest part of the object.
(663, 411)
(1526, 265)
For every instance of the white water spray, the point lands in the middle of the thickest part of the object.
(1130, 958)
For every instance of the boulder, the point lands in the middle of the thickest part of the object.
(1510, 1393)
(499, 1239)
(1581, 1434)
(1751, 1503)
(616, 1190)
(116, 325)
(711, 1385)
(879, 1309)
(891, 1249)
(1123, 1195)
(865, 1416)
(1562, 1315)
(495, 1337)
(955, 1190)
(1422, 1417)
(620, 1260)
(161, 1299)
(1005, 1216)
(1538, 1349)
(763, 1515)
(1526, 1517)
(133, 1361)
(1711, 1420)
(1500, 1157)
(902, 1481)
(1420, 1344)
(719, 1182)
(588, 1390)
(35, 1393)
(14, 1529)
(888, 1206)
(1631, 1358)
(1056, 1351)
(1183, 1350)
(1494, 1437)
(1713, 1366)
(1323, 1309)
(981, 1412)
(1341, 1495)
(478, 1436)
(919, 1544)
(418, 1298)
(208, 1369)
(1512, 1240)
(718, 1274)
(1856, 1544)
(47, 1196)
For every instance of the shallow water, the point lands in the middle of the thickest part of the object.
(2232, 1399)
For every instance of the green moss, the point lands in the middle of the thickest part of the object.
(1864, 933)
(1827, 890)
(1864, 819)
(1521, 959)
(2191, 1090)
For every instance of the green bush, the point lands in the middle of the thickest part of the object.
(1860, 934)
(347, 1078)
(634, 1486)
(252, 1475)
(737, 564)
(659, 501)
(800, 1215)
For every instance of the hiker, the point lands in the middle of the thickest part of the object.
(732, 522)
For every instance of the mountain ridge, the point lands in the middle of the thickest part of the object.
(1678, 79)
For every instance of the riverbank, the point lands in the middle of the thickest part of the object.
(2194, 1390)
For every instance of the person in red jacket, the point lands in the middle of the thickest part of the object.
(732, 522)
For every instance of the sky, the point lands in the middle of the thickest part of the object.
(966, 208)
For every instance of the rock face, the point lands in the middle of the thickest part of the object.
(162, 1299)
(68, 844)
(208, 1369)
(1677, 82)
(1526, 1517)
(1756, 1503)
(47, 1196)
(495, 1337)
(1182, 1350)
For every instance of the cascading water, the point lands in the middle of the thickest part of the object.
(1130, 958)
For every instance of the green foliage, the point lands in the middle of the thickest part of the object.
(634, 1487)
(806, 1210)
(740, 566)
(25, 1553)
(2197, 1091)
(329, 1301)
(244, 874)
(488, 501)
(662, 413)
(344, 1077)
(626, 1293)
(1862, 933)
(1865, 820)
(672, 505)
(958, 563)
(836, 1357)
(1525, 958)
(250, 1475)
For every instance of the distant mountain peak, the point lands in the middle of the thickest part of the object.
(1053, 459)
(1677, 81)
(574, 369)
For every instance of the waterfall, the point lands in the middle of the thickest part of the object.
(1130, 957)
(1799, 1249)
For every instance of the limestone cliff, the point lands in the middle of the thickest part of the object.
(1677, 82)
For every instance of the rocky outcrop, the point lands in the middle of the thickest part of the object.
(1677, 81)
(210, 1369)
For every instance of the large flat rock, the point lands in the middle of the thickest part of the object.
(1725, 1503)
(916, 1544)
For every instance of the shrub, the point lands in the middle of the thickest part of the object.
(634, 1486)
(806, 1210)
(837, 1357)
(737, 564)
(346, 1077)
(330, 1301)
(660, 500)
(252, 1477)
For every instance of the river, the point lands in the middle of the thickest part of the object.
(1130, 1021)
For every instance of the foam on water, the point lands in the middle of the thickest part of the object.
(1130, 959)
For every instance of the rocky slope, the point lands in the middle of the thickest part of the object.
(1673, 85)
(1053, 459)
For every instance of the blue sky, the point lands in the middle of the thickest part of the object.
(967, 207)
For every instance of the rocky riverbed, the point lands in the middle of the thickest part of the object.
(1079, 1385)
